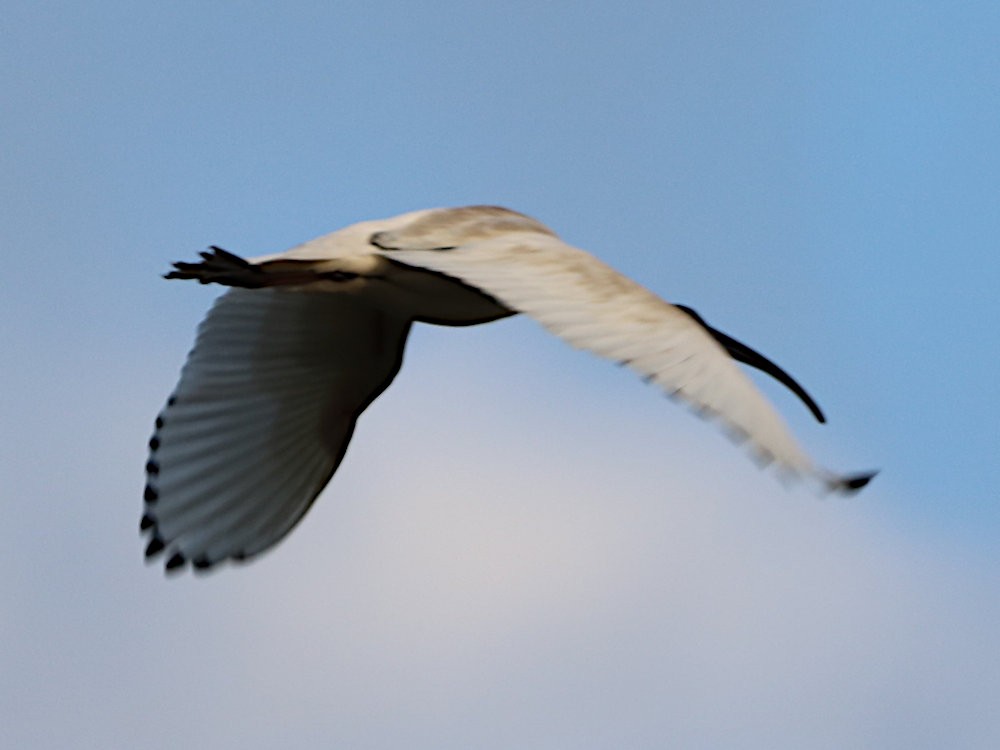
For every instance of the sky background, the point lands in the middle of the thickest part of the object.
(525, 547)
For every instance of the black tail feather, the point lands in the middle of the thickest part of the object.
(219, 266)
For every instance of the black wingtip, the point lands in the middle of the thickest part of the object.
(202, 564)
(854, 483)
(176, 561)
(155, 547)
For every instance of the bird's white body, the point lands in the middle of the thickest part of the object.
(281, 370)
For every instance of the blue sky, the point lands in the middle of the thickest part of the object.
(524, 547)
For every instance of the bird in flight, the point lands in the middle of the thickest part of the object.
(303, 341)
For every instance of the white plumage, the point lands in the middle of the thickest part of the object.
(285, 362)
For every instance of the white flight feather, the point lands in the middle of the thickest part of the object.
(593, 307)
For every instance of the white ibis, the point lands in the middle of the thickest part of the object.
(288, 358)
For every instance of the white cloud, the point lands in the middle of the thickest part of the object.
(556, 563)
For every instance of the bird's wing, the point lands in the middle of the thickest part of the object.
(593, 307)
(261, 418)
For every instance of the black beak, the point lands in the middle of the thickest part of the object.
(746, 355)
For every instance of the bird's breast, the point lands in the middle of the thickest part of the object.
(432, 297)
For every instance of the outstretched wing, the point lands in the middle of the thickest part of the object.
(593, 307)
(261, 418)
